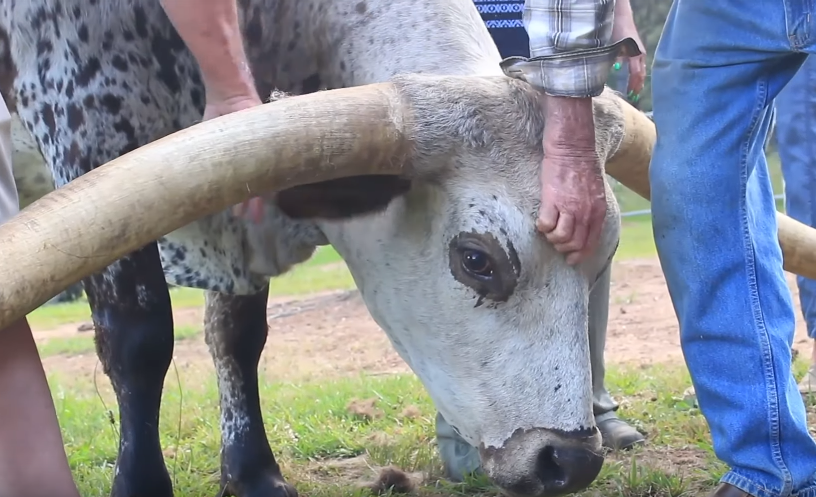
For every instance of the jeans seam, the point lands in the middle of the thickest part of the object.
(809, 144)
(798, 40)
(735, 479)
(759, 319)
(738, 480)
(808, 173)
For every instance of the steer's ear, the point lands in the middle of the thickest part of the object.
(341, 198)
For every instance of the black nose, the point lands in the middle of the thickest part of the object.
(567, 469)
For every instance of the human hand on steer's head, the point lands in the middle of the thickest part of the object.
(573, 199)
(572, 203)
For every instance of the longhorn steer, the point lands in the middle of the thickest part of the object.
(427, 186)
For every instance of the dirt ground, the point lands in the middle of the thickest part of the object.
(332, 334)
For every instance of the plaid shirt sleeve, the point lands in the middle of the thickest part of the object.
(569, 47)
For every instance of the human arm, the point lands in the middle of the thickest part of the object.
(570, 61)
(211, 32)
(624, 27)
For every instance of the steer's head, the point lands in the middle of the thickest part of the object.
(485, 311)
(479, 304)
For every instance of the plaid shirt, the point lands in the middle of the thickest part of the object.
(569, 47)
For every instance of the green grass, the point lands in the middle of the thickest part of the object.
(323, 272)
(311, 431)
(317, 274)
(51, 316)
(83, 344)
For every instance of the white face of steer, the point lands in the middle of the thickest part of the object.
(484, 310)
(489, 316)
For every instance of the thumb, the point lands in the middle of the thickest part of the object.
(547, 217)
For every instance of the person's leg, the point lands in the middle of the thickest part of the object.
(32, 455)
(796, 139)
(616, 433)
(717, 68)
(459, 458)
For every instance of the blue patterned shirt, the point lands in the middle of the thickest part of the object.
(503, 19)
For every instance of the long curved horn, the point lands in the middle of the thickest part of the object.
(93, 221)
(630, 166)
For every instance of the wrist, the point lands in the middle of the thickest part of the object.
(228, 83)
(224, 70)
(569, 123)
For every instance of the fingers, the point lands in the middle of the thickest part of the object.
(592, 240)
(637, 74)
(567, 236)
(256, 209)
(252, 209)
(576, 240)
(562, 234)
(547, 217)
(637, 77)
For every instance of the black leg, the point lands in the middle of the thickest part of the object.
(134, 340)
(236, 329)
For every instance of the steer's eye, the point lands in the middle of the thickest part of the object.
(477, 263)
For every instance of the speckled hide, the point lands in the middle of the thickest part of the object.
(448, 262)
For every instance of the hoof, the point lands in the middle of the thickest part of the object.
(264, 486)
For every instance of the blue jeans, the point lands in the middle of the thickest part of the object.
(796, 137)
(718, 67)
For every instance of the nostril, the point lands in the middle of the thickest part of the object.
(548, 470)
(567, 469)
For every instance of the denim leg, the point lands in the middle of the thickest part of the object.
(796, 137)
(459, 458)
(717, 68)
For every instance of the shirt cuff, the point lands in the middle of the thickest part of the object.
(576, 74)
